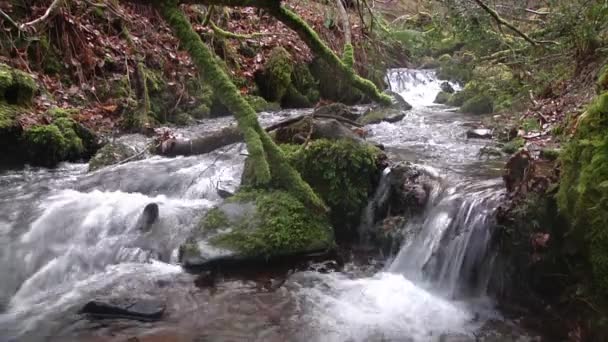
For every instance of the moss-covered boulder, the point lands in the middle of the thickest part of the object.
(332, 87)
(16, 86)
(62, 140)
(111, 154)
(583, 192)
(393, 113)
(443, 97)
(256, 224)
(479, 104)
(328, 167)
(277, 75)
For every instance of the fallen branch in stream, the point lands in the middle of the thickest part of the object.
(228, 136)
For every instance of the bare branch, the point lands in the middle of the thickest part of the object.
(501, 21)
(8, 18)
(48, 12)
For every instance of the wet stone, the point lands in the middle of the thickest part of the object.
(136, 309)
(480, 133)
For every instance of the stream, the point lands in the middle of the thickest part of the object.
(68, 236)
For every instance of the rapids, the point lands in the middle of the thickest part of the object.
(68, 236)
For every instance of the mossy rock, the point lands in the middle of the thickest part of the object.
(111, 154)
(260, 105)
(332, 87)
(62, 140)
(583, 191)
(277, 74)
(513, 145)
(443, 97)
(8, 116)
(328, 167)
(257, 224)
(16, 86)
(479, 104)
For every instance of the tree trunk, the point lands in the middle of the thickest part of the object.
(270, 167)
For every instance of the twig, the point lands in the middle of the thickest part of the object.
(9, 19)
(44, 17)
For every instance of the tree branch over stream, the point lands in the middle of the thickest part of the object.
(502, 21)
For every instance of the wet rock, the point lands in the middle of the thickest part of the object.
(447, 88)
(136, 309)
(410, 189)
(479, 133)
(337, 109)
(148, 217)
(380, 115)
(112, 153)
(442, 98)
(224, 193)
(392, 113)
(330, 129)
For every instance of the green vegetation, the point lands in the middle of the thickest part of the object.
(328, 167)
(513, 145)
(267, 223)
(583, 193)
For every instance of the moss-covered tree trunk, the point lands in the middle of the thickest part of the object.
(269, 165)
(344, 70)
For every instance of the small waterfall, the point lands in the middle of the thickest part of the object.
(452, 247)
(368, 217)
(418, 87)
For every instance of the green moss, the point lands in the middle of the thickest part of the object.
(214, 219)
(348, 57)
(16, 86)
(513, 145)
(260, 105)
(280, 225)
(583, 192)
(56, 112)
(328, 167)
(602, 81)
(74, 146)
(45, 144)
(277, 70)
(8, 115)
(479, 104)
(443, 97)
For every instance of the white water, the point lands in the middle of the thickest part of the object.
(67, 237)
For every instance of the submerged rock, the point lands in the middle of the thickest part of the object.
(136, 309)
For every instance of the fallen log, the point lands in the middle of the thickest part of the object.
(228, 136)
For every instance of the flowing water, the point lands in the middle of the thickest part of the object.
(68, 236)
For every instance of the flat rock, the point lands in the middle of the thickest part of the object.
(479, 133)
(136, 309)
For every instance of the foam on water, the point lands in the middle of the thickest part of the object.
(385, 307)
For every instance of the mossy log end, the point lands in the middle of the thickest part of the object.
(271, 166)
(311, 38)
